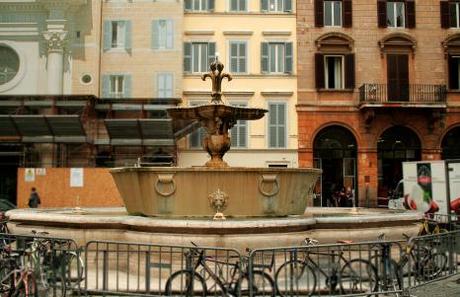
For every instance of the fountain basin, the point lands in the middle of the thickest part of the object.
(191, 192)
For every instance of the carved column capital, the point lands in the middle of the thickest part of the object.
(55, 40)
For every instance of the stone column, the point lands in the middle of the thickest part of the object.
(55, 64)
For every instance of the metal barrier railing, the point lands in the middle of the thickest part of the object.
(146, 269)
(52, 266)
(135, 269)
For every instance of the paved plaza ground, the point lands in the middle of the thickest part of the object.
(449, 287)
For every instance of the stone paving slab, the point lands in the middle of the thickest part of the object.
(449, 287)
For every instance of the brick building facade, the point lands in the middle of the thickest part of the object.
(377, 85)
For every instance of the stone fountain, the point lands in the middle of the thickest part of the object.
(264, 207)
(216, 189)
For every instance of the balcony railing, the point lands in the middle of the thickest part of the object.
(412, 94)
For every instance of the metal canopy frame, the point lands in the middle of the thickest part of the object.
(143, 132)
(43, 128)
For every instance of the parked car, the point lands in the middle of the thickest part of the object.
(6, 205)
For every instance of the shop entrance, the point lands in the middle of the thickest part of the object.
(396, 145)
(11, 157)
(335, 151)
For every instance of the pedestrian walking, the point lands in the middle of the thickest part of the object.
(34, 199)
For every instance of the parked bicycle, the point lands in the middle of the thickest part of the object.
(17, 277)
(299, 275)
(422, 261)
(191, 280)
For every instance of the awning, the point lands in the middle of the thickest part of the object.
(148, 132)
(43, 128)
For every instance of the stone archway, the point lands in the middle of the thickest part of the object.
(396, 145)
(449, 145)
(335, 151)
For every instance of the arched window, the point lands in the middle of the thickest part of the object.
(9, 64)
(449, 144)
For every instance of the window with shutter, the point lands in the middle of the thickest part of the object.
(117, 35)
(198, 56)
(197, 136)
(276, 57)
(396, 14)
(117, 88)
(454, 13)
(277, 125)
(276, 5)
(199, 5)
(454, 72)
(238, 58)
(239, 132)
(238, 5)
(162, 34)
(333, 13)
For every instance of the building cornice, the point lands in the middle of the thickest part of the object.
(277, 93)
(239, 33)
(276, 33)
(199, 32)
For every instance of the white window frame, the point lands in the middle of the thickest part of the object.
(239, 8)
(238, 124)
(115, 80)
(163, 91)
(205, 45)
(163, 34)
(333, 4)
(457, 14)
(275, 5)
(395, 14)
(326, 73)
(229, 62)
(202, 5)
(277, 57)
(286, 127)
(200, 131)
(120, 35)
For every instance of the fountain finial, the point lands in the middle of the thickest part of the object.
(216, 76)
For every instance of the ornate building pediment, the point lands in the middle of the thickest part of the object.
(334, 40)
(399, 40)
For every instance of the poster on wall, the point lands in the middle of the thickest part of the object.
(76, 177)
(29, 174)
(40, 171)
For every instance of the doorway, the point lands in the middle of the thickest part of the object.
(11, 157)
(335, 151)
(396, 145)
(398, 77)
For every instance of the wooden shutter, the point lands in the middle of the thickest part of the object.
(105, 86)
(188, 4)
(382, 13)
(234, 5)
(264, 5)
(319, 70)
(411, 19)
(347, 14)
(319, 13)
(155, 34)
(264, 57)
(127, 82)
(234, 57)
(169, 34)
(187, 57)
(445, 14)
(287, 5)
(350, 71)
(128, 39)
(211, 5)
(281, 125)
(242, 57)
(453, 73)
(211, 53)
(288, 58)
(107, 35)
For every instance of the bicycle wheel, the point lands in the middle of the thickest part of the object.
(358, 276)
(262, 285)
(295, 278)
(433, 266)
(74, 270)
(54, 286)
(181, 283)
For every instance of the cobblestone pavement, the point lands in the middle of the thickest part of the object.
(448, 287)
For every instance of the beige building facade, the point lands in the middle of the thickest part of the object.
(256, 40)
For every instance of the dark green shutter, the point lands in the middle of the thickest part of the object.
(264, 57)
(288, 58)
(264, 5)
(188, 4)
(211, 5)
(107, 35)
(187, 57)
(211, 52)
(287, 5)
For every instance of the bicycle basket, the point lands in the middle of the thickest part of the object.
(263, 260)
